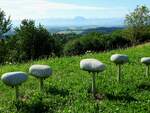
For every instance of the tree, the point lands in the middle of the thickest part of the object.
(32, 42)
(3, 51)
(5, 26)
(137, 23)
(5, 23)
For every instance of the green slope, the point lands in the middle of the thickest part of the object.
(67, 90)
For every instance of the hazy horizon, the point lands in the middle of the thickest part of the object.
(77, 21)
(59, 11)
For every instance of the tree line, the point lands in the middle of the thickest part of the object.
(33, 42)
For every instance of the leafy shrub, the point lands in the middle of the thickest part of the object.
(96, 42)
(117, 40)
(64, 38)
(74, 47)
(90, 42)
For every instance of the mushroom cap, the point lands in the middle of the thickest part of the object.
(40, 71)
(14, 78)
(92, 65)
(145, 60)
(119, 58)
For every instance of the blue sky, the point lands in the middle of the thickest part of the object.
(39, 9)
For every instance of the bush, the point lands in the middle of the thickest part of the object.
(118, 41)
(90, 42)
(145, 37)
(74, 47)
(96, 42)
(64, 38)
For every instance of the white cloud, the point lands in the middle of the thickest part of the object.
(33, 9)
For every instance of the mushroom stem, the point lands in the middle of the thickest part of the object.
(41, 85)
(17, 92)
(147, 70)
(119, 72)
(93, 84)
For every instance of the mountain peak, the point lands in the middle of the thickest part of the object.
(79, 18)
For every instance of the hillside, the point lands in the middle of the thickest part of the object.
(67, 90)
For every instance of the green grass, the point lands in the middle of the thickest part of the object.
(68, 89)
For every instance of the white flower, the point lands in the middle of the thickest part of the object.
(145, 60)
(119, 58)
(92, 65)
(14, 78)
(40, 71)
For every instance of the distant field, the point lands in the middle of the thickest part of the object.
(77, 30)
(68, 89)
(80, 30)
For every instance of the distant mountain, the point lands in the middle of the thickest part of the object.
(79, 25)
(78, 21)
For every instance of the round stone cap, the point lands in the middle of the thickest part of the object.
(119, 58)
(145, 60)
(14, 78)
(40, 71)
(92, 65)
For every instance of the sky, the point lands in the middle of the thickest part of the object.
(40, 9)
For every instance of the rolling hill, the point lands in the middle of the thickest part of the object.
(68, 89)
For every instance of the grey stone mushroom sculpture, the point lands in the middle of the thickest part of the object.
(119, 59)
(14, 79)
(92, 66)
(146, 61)
(41, 72)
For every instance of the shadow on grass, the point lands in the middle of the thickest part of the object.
(55, 91)
(120, 97)
(144, 86)
(33, 107)
(39, 103)
(126, 97)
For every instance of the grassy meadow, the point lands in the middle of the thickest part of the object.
(68, 90)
